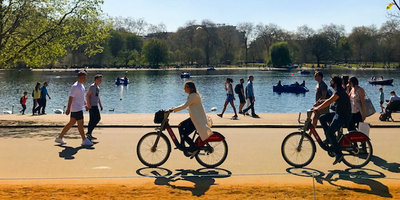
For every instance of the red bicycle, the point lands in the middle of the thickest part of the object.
(298, 148)
(154, 148)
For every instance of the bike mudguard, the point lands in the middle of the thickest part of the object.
(353, 136)
(215, 137)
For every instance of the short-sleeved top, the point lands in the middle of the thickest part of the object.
(382, 97)
(249, 91)
(320, 88)
(343, 107)
(78, 93)
(394, 98)
(229, 89)
(23, 100)
(94, 94)
(44, 92)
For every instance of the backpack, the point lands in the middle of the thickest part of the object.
(237, 89)
(383, 117)
(20, 100)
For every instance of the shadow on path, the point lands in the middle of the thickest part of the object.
(358, 176)
(391, 167)
(202, 178)
(68, 152)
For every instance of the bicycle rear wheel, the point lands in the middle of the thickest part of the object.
(357, 154)
(298, 149)
(215, 154)
(152, 154)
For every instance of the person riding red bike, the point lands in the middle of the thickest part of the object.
(197, 120)
(337, 119)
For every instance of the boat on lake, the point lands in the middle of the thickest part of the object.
(380, 81)
(185, 75)
(304, 72)
(122, 81)
(293, 88)
(210, 69)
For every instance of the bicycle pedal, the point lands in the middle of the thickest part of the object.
(194, 154)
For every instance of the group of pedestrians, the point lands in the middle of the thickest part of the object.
(77, 102)
(39, 96)
(243, 94)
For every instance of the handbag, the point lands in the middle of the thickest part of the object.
(369, 108)
(364, 128)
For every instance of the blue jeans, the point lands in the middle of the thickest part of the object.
(336, 122)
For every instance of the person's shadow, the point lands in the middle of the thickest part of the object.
(391, 167)
(358, 176)
(68, 152)
(203, 178)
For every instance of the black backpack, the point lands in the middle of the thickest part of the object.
(20, 100)
(237, 89)
(159, 116)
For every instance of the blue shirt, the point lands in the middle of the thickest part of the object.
(250, 92)
(44, 92)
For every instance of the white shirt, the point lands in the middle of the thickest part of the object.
(78, 93)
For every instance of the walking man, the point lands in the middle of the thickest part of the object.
(42, 100)
(93, 103)
(240, 92)
(251, 97)
(76, 102)
(321, 94)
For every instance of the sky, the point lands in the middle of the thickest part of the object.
(287, 14)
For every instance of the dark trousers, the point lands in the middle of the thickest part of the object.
(354, 120)
(94, 114)
(42, 105)
(36, 106)
(336, 122)
(185, 129)
(23, 108)
(251, 106)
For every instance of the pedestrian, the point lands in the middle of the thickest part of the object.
(321, 94)
(251, 97)
(381, 98)
(22, 101)
(76, 102)
(357, 101)
(43, 98)
(36, 96)
(93, 103)
(240, 92)
(229, 98)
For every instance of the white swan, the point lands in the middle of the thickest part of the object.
(214, 109)
(9, 112)
(59, 111)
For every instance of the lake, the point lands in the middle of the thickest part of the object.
(151, 90)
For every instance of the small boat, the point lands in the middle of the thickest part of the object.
(381, 82)
(185, 75)
(290, 89)
(304, 72)
(122, 81)
(210, 69)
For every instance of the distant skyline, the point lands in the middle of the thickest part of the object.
(287, 14)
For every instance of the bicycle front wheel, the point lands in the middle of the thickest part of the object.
(298, 149)
(153, 149)
(215, 154)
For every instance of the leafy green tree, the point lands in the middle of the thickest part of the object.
(344, 49)
(155, 51)
(321, 48)
(38, 32)
(280, 55)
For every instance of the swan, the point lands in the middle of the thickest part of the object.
(214, 109)
(59, 111)
(9, 112)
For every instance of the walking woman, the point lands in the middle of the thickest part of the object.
(357, 101)
(197, 120)
(337, 119)
(229, 98)
(36, 96)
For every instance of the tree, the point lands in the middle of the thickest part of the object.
(269, 34)
(360, 38)
(280, 55)
(247, 32)
(320, 47)
(344, 49)
(37, 33)
(155, 51)
(303, 37)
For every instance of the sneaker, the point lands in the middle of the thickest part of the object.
(60, 140)
(87, 142)
(255, 116)
(219, 115)
(240, 112)
(246, 114)
(90, 137)
(235, 117)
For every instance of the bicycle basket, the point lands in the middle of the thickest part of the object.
(159, 116)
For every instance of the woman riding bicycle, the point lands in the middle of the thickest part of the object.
(198, 119)
(337, 119)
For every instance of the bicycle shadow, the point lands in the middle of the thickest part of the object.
(380, 162)
(202, 178)
(357, 176)
(68, 152)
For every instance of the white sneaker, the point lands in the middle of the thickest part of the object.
(60, 140)
(87, 142)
